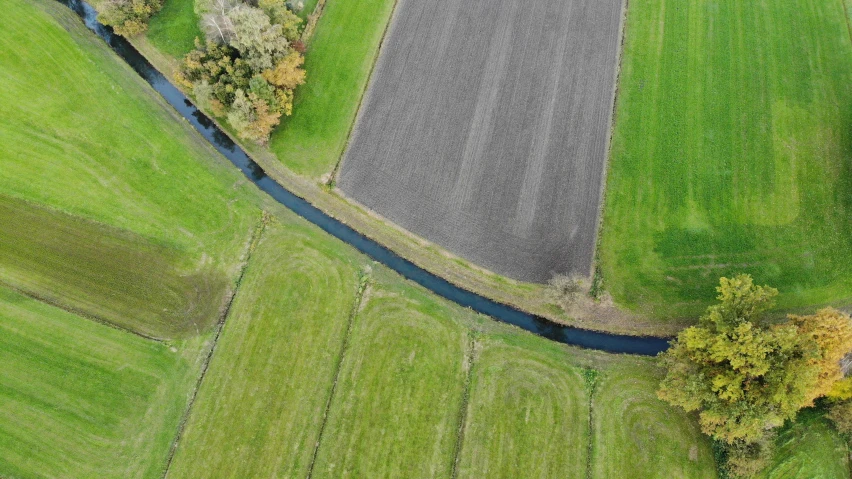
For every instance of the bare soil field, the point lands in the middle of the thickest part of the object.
(485, 129)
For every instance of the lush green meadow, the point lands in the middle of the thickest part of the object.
(81, 399)
(637, 435)
(809, 449)
(260, 407)
(528, 412)
(731, 153)
(396, 407)
(84, 135)
(174, 28)
(339, 60)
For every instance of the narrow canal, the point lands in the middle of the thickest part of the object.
(613, 343)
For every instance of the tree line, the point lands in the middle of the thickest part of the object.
(246, 68)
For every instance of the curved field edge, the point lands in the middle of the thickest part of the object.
(81, 399)
(528, 414)
(530, 297)
(639, 436)
(712, 175)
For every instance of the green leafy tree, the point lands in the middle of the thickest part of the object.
(128, 17)
(281, 14)
(745, 374)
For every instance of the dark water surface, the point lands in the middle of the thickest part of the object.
(564, 334)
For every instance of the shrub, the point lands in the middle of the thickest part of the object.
(840, 414)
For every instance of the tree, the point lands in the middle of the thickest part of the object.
(831, 330)
(840, 414)
(279, 13)
(287, 73)
(260, 42)
(128, 17)
(746, 375)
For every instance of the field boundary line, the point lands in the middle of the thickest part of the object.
(846, 18)
(464, 407)
(613, 117)
(332, 178)
(313, 19)
(591, 382)
(363, 286)
(220, 325)
(77, 312)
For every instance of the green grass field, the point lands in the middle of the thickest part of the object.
(81, 399)
(338, 62)
(259, 409)
(174, 28)
(396, 407)
(731, 153)
(809, 449)
(638, 436)
(84, 135)
(528, 412)
(112, 274)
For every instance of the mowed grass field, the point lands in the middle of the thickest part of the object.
(260, 407)
(81, 399)
(338, 61)
(731, 153)
(83, 135)
(528, 412)
(395, 411)
(639, 436)
(809, 449)
(301, 381)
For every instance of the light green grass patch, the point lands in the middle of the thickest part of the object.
(396, 408)
(339, 59)
(81, 399)
(111, 274)
(259, 409)
(809, 449)
(173, 29)
(639, 436)
(528, 412)
(83, 133)
(731, 153)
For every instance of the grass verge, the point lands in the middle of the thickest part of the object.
(746, 171)
(80, 399)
